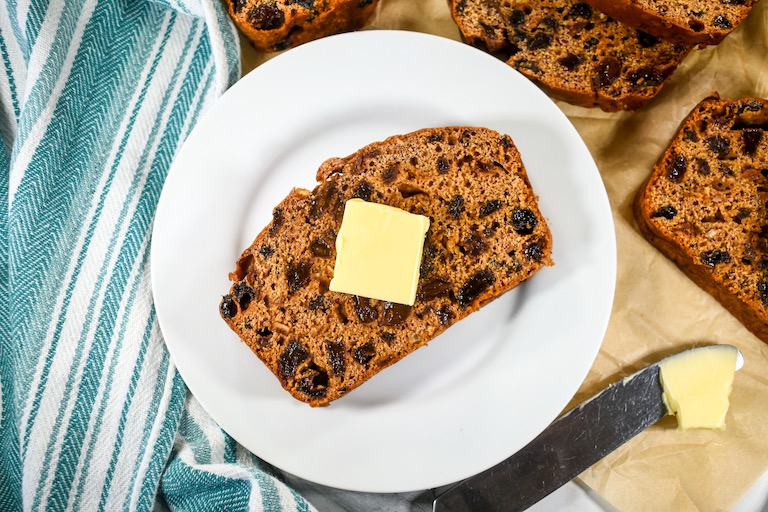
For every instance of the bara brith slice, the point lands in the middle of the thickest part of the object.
(572, 51)
(702, 22)
(275, 25)
(705, 205)
(486, 235)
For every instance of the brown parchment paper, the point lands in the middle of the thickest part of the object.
(657, 310)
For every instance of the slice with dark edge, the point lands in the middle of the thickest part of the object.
(705, 205)
(573, 52)
(702, 22)
(276, 25)
(486, 236)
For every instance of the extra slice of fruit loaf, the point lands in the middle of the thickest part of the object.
(573, 52)
(702, 22)
(486, 236)
(275, 25)
(705, 206)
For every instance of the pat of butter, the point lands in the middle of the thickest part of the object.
(378, 252)
(697, 384)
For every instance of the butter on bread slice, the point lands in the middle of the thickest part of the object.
(378, 252)
(486, 235)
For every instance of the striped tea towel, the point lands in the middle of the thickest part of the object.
(96, 97)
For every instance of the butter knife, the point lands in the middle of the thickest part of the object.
(566, 448)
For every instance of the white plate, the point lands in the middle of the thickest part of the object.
(475, 394)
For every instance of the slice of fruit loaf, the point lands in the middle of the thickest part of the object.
(572, 51)
(486, 236)
(703, 22)
(275, 25)
(705, 205)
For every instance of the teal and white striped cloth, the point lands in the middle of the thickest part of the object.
(96, 97)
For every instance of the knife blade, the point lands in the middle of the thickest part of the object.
(570, 445)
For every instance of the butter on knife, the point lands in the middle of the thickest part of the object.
(599, 425)
(697, 384)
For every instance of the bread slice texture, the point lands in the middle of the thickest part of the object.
(486, 236)
(276, 25)
(698, 22)
(572, 51)
(705, 205)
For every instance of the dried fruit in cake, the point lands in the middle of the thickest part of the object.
(705, 205)
(275, 25)
(486, 235)
(571, 50)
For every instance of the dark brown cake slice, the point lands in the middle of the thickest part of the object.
(703, 22)
(705, 206)
(486, 236)
(572, 51)
(274, 25)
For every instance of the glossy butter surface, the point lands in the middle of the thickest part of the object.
(697, 384)
(378, 252)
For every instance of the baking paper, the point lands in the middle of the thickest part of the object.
(657, 310)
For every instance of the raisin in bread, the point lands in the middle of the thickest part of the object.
(705, 205)
(572, 51)
(486, 236)
(703, 22)
(275, 25)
